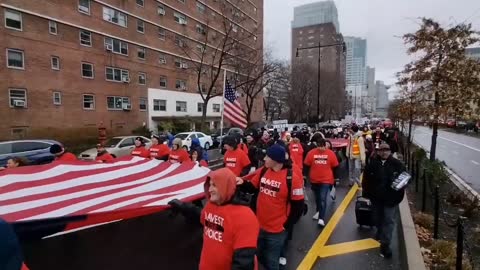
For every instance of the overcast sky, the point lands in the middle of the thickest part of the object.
(381, 22)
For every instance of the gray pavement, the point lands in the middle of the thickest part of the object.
(461, 153)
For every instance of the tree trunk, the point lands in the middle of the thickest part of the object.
(204, 114)
(433, 147)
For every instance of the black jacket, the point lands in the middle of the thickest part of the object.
(378, 177)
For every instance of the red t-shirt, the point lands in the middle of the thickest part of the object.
(159, 150)
(236, 160)
(243, 147)
(67, 157)
(321, 164)
(105, 158)
(178, 156)
(226, 229)
(141, 152)
(272, 207)
(296, 154)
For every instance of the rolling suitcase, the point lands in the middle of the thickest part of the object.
(364, 212)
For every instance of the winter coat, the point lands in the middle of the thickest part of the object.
(361, 143)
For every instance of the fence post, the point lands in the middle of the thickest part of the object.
(424, 190)
(436, 212)
(459, 244)
(417, 176)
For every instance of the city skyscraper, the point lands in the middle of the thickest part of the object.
(356, 60)
(316, 13)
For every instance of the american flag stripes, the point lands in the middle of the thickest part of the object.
(232, 109)
(129, 187)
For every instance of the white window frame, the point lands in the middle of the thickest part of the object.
(59, 98)
(166, 82)
(23, 58)
(216, 108)
(199, 106)
(16, 13)
(89, 37)
(140, 104)
(140, 24)
(93, 70)
(180, 82)
(180, 42)
(81, 8)
(140, 50)
(182, 1)
(177, 105)
(83, 102)
(162, 33)
(159, 106)
(116, 14)
(115, 99)
(123, 72)
(58, 62)
(161, 11)
(52, 24)
(162, 59)
(144, 78)
(180, 18)
(200, 29)
(112, 41)
(201, 7)
(10, 96)
(140, 5)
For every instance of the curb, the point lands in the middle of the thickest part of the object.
(411, 244)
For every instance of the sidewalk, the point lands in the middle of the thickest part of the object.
(341, 244)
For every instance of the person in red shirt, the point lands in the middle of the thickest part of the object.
(102, 155)
(178, 154)
(296, 152)
(230, 227)
(235, 159)
(159, 150)
(60, 154)
(321, 162)
(140, 150)
(277, 207)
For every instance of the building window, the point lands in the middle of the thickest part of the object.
(180, 42)
(161, 33)
(183, 1)
(87, 70)
(200, 107)
(181, 106)
(117, 103)
(162, 59)
(52, 27)
(85, 38)
(142, 78)
(141, 3)
(200, 29)
(18, 98)
(55, 61)
(84, 6)
(181, 85)
(88, 102)
(114, 16)
(163, 82)
(143, 104)
(200, 7)
(161, 10)
(201, 48)
(141, 53)
(13, 19)
(216, 108)
(15, 59)
(180, 64)
(203, 88)
(180, 18)
(140, 26)
(160, 105)
(117, 74)
(116, 46)
(57, 98)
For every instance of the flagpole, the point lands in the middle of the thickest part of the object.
(223, 107)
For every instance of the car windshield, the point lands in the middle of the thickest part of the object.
(112, 142)
(182, 136)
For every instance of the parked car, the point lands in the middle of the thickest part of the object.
(216, 138)
(116, 146)
(451, 123)
(187, 137)
(36, 151)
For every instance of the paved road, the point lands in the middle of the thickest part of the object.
(461, 153)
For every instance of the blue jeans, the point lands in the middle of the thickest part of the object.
(321, 194)
(385, 221)
(269, 248)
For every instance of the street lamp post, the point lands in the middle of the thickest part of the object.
(319, 47)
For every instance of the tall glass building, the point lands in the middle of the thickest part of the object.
(316, 13)
(356, 60)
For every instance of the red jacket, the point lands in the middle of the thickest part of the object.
(67, 156)
(105, 157)
(141, 152)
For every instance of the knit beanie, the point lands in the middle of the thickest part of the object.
(55, 149)
(276, 153)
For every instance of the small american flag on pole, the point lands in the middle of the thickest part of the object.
(232, 109)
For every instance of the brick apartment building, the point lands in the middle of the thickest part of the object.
(80, 64)
(332, 64)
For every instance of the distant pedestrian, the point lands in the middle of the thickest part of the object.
(60, 154)
(178, 153)
(140, 150)
(15, 162)
(159, 150)
(356, 155)
(235, 159)
(103, 156)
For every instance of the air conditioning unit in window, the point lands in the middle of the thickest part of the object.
(127, 107)
(184, 65)
(161, 11)
(125, 79)
(163, 61)
(183, 22)
(109, 47)
(19, 103)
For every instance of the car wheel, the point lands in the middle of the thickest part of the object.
(207, 146)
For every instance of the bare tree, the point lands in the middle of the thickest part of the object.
(277, 90)
(301, 99)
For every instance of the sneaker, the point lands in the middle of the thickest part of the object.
(282, 261)
(315, 216)
(385, 252)
(333, 194)
(321, 222)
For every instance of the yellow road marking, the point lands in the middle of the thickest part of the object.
(348, 247)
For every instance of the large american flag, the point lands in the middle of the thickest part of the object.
(232, 109)
(84, 194)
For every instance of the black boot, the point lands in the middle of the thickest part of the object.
(385, 251)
